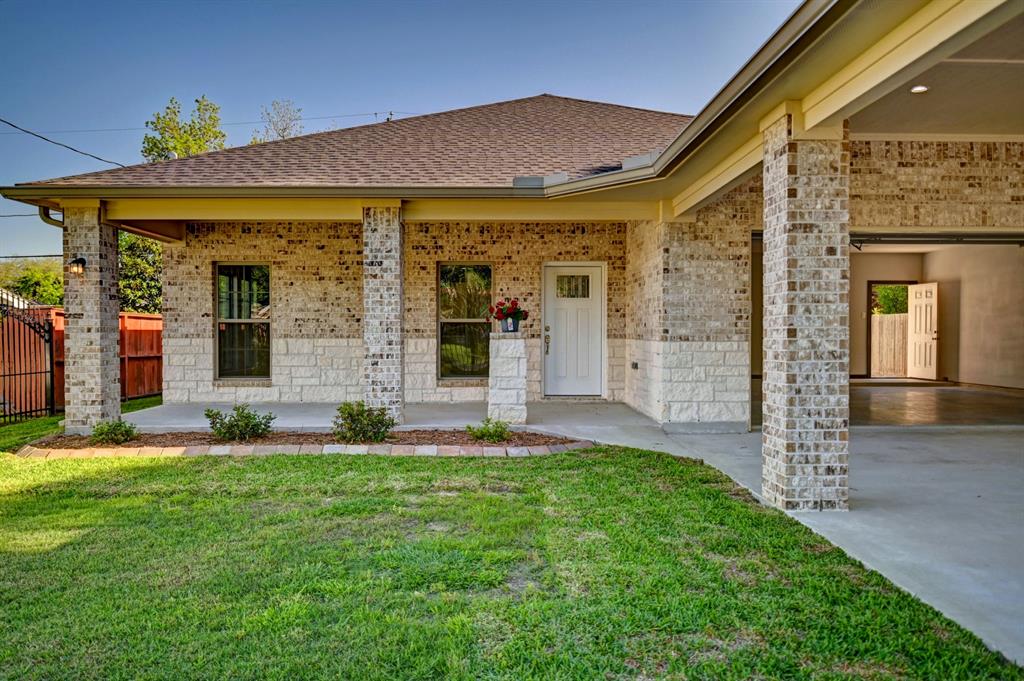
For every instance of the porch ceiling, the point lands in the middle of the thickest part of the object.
(979, 91)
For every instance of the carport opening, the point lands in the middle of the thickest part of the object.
(974, 332)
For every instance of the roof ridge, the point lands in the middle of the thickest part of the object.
(214, 152)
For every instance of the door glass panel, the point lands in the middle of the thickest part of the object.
(572, 286)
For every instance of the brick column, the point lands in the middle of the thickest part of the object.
(92, 374)
(806, 318)
(506, 383)
(382, 307)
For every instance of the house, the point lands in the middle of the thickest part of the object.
(357, 264)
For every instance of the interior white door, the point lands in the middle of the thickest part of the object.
(573, 329)
(923, 331)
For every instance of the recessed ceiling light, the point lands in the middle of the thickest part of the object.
(918, 89)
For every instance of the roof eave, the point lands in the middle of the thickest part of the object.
(811, 17)
(34, 193)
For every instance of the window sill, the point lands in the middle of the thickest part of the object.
(242, 383)
(462, 383)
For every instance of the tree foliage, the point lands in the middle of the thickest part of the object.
(38, 279)
(280, 121)
(172, 135)
(889, 299)
(140, 265)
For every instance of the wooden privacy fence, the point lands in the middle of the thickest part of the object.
(26, 359)
(32, 359)
(141, 354)
(889, 345)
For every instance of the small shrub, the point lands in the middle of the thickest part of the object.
(112, 433)
(241, 425)
(356, 422)
(490, 430)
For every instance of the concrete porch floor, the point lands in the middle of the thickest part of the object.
(937, 510)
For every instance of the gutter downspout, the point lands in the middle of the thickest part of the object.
(44, 215)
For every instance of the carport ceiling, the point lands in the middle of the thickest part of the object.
(977, 91)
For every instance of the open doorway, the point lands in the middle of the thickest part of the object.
(887, 328)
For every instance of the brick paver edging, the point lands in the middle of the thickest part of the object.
(266, 450)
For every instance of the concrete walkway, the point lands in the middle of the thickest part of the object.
(939, 511)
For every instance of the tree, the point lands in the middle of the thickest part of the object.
(173, 136)
(282, 120)
(39, 280)
(140, 265)
(889, 299)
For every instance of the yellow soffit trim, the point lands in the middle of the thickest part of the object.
(351, 210)
(526, 210)
(381, 203)
(915, 38)
(720, 177)
(799, 129)
(198, 210)
(79, 203)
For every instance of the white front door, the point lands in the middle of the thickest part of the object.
(573, 334)
(922, 331)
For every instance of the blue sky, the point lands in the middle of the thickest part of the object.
(88, 65)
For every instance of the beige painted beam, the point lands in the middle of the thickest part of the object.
(721, 177)
(348, 210)
(161, 230)
(512, 210)
(939, 29)
(421, 210)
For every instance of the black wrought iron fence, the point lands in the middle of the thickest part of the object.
(26, 359)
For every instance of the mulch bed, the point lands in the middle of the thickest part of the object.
(400, 437)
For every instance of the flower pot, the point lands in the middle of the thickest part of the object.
(509, 325)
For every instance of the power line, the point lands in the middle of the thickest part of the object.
(61, 144)
(18, 215)
(259, 122)
(29, 257)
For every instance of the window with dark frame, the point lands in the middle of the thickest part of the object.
(243, 321)
(463, 296)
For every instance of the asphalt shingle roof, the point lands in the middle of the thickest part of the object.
(481, 146)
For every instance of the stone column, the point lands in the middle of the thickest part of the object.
(506, 383)
(382, 307)
(92, 373)
(806, 316)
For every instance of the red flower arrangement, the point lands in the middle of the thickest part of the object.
(507, 309)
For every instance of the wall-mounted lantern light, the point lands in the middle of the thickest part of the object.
(77, 266)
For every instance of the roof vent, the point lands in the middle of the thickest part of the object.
(639, 160)
(528, 181)
(539, 181)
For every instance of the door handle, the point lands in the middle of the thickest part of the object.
(547, 343)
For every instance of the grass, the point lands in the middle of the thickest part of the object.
(610, 563)
(14, 435)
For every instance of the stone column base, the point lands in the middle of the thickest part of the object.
(506, 385)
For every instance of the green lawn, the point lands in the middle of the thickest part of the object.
(13, 436)
(610, 563)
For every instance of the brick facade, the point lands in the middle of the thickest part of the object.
(918, 184)
(689, 313)
(806, 320)
(516, 251)
(316, 311)
(383, 331)
(92, 385)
